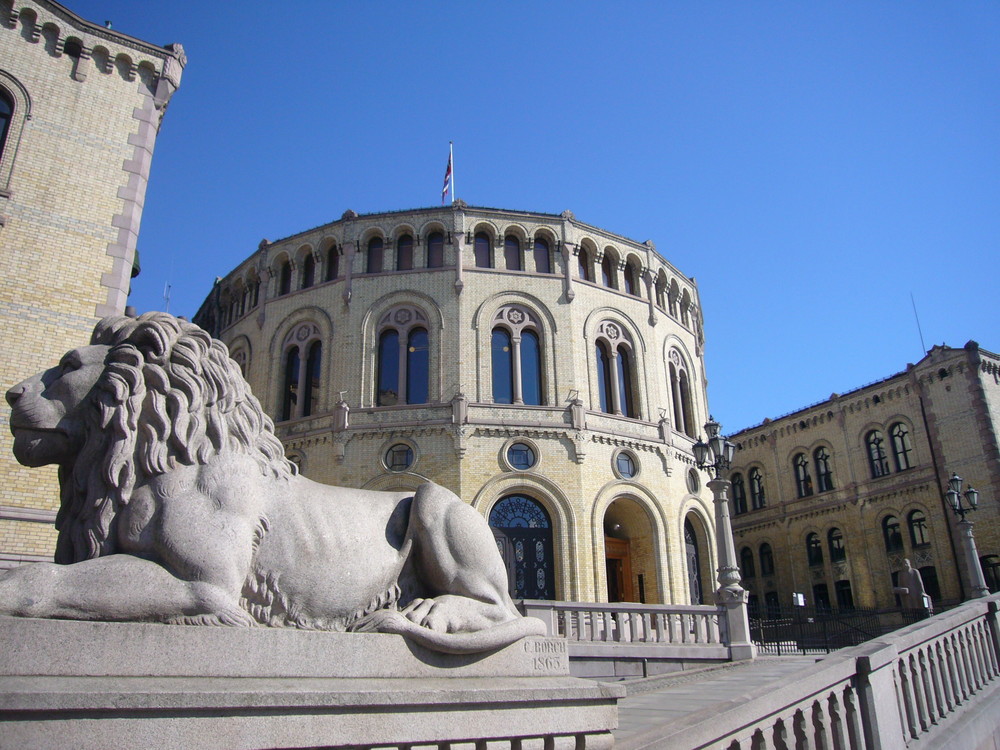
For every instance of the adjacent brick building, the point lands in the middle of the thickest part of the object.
(547, 371)
(80, 108)
(830, 500)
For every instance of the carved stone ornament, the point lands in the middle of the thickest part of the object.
(180, 508)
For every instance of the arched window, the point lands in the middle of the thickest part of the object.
(680, 392)
(404, 253)
(919, 535)
(583, 265)
(615, 371)
(739, 494)
(814, 549)
(285, 278)
(824, 474)
(503, 367)
(686, 309)
(301, 371)
(661, 291)
(746, 563)
(516, 357)
(901, 447)
(376, 249)
(891, 534)
(803, 482)
(332, 263)
(876, 454)
(757, 497)
(308, 271)
(435, 250)
(523, 532)
(835, 540)
(608, 277)
(672, 299)
(543, 258)
(766, 560)
(632, 279)
(6, 113)
(512, 253)
(310, 396)
(482, 250)
(403, 364)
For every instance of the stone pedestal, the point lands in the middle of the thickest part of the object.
(99, 685)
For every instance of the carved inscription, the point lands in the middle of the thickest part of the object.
(547, 655)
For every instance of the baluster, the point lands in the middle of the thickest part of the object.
(658, 619)
(577, 624)
(779, 735)
(991, 652)
(609, 627)
(927, 685)
(962, 656)
(981, 665)
(983, 649)
(853, 719)
(647, 627)
(955, 670)
(909, 703)
(916, 684)
(799, 731)
(934, 668)
(836, 722)
(821, 727)
(971, 661)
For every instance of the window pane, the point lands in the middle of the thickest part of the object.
(404, 253)
(520, 456)
(531, 369)
(332, 264)
(435, 250)
(512, 253)
(876, 454)
(603, 379)
(417, 367)
(900, 446)
(399, 457)
(388, 369)
(375, 246)
(482, 250)
(626, 465)
(583, 260)
(625, 383)
(918, 529)
(310, 400)
(308, 271)
(6, 110)
(838, 553)
(739, 495)
(543, 263)
(285, 278)
(892, 534)
(607, 275)
(291, 386)
(503, 368)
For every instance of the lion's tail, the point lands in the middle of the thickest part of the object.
(488, 639)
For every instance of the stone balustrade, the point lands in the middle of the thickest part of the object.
(929, 685)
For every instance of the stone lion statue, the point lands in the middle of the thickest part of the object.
(179, 506)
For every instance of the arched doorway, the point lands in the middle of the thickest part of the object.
(523, 532)
(693, 564)
(629, 553)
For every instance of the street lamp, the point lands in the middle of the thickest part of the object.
(716, 456)
(975, 584)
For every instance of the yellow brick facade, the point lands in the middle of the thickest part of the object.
(947, 405)
(86, 104)
(461, 436)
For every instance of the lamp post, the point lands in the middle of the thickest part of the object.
(975, 584)
(716, 456)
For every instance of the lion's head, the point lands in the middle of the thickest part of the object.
(148, 394)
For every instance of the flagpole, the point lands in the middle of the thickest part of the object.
(451, 160)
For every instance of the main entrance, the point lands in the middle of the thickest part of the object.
(523, 534)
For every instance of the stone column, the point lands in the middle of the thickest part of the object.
(975, 584)
(730, 594)
(350, 249)
(567, 256)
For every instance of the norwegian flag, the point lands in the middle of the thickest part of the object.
(447, 177)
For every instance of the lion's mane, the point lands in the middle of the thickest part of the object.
(169, 395)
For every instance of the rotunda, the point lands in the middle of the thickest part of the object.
(549, 372)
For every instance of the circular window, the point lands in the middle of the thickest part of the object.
(626, 465)
(399, 457)
(520, 456)
(694, 483)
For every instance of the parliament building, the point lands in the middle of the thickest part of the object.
(831, 500)
(547, 371)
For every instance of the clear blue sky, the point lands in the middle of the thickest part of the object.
(811, 164)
